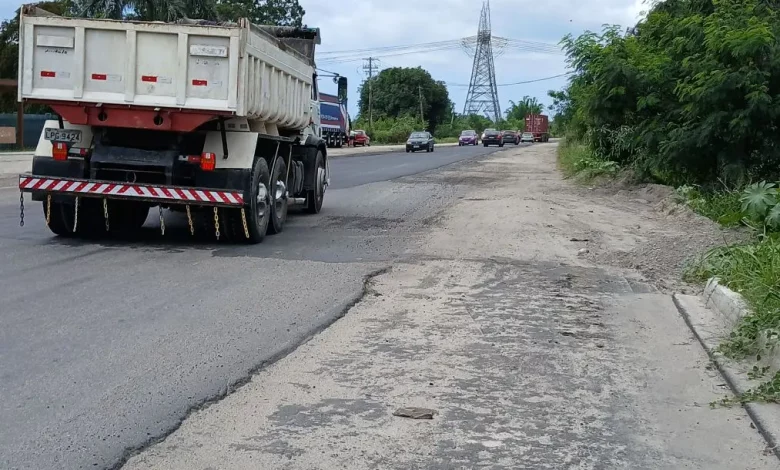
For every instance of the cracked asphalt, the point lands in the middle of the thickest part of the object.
(106, 346)
(529, 354)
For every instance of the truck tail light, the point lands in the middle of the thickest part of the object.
(59, 151)
(208, 161)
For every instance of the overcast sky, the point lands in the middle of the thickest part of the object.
(364, 24)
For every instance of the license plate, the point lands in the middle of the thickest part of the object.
(416, 146)
(62, 135)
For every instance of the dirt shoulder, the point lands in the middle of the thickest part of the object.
(530, 353)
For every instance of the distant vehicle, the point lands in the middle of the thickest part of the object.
(468, 138)
(527, 137)
(492, 137)
(490, 129)
(419, 141)
(539, 126)
(510, 137)
(361, 138)
(334, 121)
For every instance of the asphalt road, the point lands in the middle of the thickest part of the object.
(106, 346)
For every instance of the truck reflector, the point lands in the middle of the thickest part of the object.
(199, 83)
(48, 74)
(98, 76)
(149, 78)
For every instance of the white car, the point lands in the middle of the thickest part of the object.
(527, 137)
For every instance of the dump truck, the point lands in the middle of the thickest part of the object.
(539, 126)
(212, 119)
(334, 121)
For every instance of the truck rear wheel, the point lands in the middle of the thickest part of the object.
(126, 217)
(257, 209)
(314, 197)
(63, 215)
(278, 194)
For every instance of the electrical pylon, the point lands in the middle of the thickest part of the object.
(482, 97)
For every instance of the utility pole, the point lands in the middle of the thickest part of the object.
(422, 117)
(370, 67)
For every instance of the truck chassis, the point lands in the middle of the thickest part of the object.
(247, 201)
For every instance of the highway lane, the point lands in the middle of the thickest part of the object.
(105, 346)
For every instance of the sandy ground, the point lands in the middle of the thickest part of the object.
(531, 354)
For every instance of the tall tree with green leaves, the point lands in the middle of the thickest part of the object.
(146, 10)
(399, 91)
(270, 12)
(690, 95)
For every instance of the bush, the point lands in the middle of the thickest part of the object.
(687, 96)
(578, 159)
(723, 207)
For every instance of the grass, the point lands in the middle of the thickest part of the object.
(753, 270)
(577, 160)
(723, 207)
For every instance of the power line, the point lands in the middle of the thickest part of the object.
(519, 83)
(356, 57)
(383, 48)
(467, 43)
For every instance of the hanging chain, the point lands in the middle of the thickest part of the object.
(216, 221)
(162, 221)
(21, 209)
(76, 216)
(189, 219)
(105, 212)
(243, 220)
(48, 209)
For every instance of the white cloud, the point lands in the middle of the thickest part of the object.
(365, 24)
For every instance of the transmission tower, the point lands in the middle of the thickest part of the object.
(482, 97)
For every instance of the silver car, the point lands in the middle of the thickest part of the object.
(527, 137)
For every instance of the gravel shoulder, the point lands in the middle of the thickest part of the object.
(534, 319)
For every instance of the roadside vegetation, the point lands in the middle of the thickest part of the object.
(407, 99)
(690, 97)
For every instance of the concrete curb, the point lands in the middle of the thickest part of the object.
(710, 327)
(725, 301)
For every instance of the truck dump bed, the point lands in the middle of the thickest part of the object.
(215, 69)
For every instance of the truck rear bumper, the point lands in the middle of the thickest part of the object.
(157, 194)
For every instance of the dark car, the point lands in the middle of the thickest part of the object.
(468, 138)
(420, 141)
(492, 137)
(510, 137)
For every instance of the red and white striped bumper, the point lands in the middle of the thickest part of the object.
(145, 192)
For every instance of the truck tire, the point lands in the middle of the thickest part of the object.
(314, 197)
(126, 218)
(90, 224)
(257, 209)
(278, 193)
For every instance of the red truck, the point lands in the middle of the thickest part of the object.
(539, 126)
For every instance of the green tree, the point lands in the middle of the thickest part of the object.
(517, 112)
(691, 94)
(146, 10)
(398, 91)
(274, 12)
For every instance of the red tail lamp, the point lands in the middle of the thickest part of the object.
(59, 151)
(208, 161)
